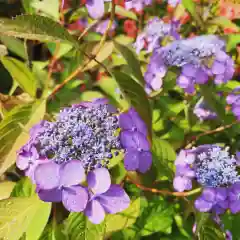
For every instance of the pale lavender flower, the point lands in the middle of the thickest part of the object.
(96, 8)
(138, 5)
(200, 58)
(174, 3)
(61, 183)
(102, 26)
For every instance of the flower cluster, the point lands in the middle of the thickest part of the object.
(154, 31)
(234, 100)
(138, 5)
(200, 58)
(215, 170)
(203, 112)
(80, 144)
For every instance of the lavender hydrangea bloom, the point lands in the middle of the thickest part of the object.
(138, 5)
(199, 58)
(203, 112)
(96, 8)
(134, 140)
(61, 183)
(234, 100)
(155, 30)
(102, 26)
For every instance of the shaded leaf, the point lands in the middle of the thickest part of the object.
(132, 61)
(232, 41)
(21, 74)
(12, 134)
(24, 188)
(53, 233)
(136, 96)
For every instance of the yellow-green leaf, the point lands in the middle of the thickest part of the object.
(6, 188)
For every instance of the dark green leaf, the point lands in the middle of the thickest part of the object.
(24, 188)
(132, 61)
(136, 96)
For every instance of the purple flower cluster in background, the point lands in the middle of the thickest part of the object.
(203, 112)
(134, 139)
(79, 145)
(215, 170)
(154, 31)
(200, 58)
(138, 5)
(234, 100)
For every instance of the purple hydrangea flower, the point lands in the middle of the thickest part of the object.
(61, 183)
(134, 140)
(155, 30)
(200, 58)
(203, 112)
(96, 8)
(234, 100)
(102, 26)
(138, 5)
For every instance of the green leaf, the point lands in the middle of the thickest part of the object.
(17, 214)
(6, 188)
(77, 227)
(190, 5)
(3, 50)
(12, 134)
(21, 74)
(136, 96)
(63, 49)
(163, 158)
(24, 188)
(48, 8)
(232, 41)
(118, 173)
(125, 13)
(36, 27)
(123, 219)
(53, 233)
(223, 22)
(14, 45)
(132, 61)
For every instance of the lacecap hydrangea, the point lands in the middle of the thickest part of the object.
(199, 59)
(215, 170)
(68, 159)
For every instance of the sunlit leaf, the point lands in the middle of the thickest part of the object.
(6, 188)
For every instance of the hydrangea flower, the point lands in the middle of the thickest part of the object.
(199, 58)
(138, 5)
(154, 31)
(234, 100)
(102, 26)
(203, 112)
(96, 8)
(215, 170)
(61, 183)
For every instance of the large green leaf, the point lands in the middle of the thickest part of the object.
(136, 96)
(77, 227)
(21, 74)
(123, 219)
(13, 131)
(132, 61)
(17, 214)
(6, 188)
(36, 27)
(163, 158)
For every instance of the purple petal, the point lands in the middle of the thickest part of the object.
(53, 195)
(184, 81)
(201, 77)
(218, 67)
(234, 206)
(72, 173)
(157, 82)
(221, 194)
(209, 194)
(182, 183)
(23, 161)
(75, 198)
(131, 120)
(131, 159)
(114, 200)
(99, 180)
(189, 70)
(95, 8)
(202, 205)
(47, 175)
(95, 212)
(145, 161)
(134, 140)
